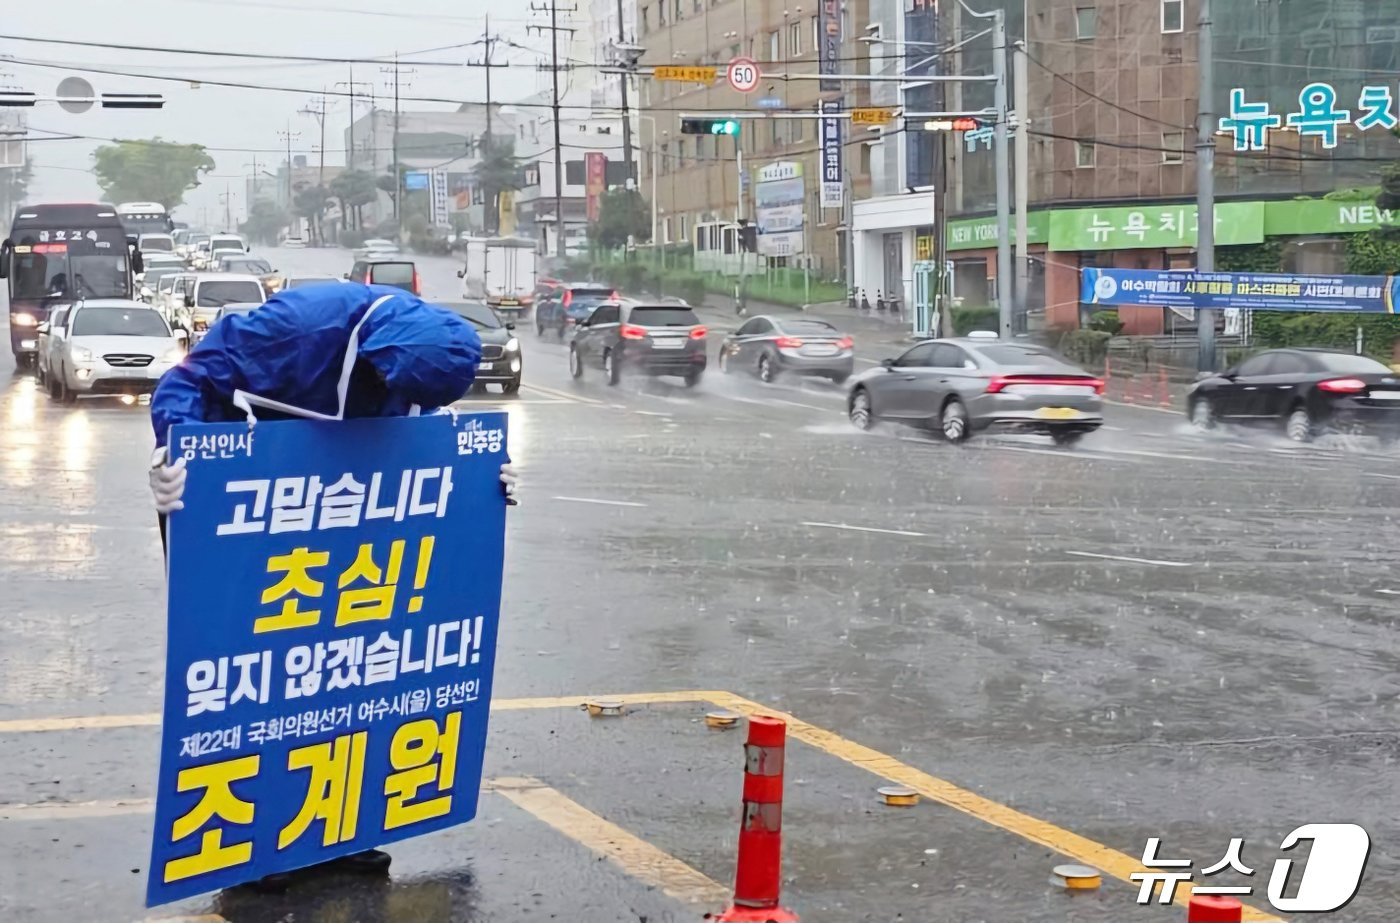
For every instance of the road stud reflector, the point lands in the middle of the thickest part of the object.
(721, 719)
(1075, 877)
(604, 708)
(899, 796)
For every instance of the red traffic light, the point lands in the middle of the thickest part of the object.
(966, 124)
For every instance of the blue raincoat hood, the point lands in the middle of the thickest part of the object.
(293, 349)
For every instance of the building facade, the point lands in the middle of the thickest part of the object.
(699, 179)
(1112, 109)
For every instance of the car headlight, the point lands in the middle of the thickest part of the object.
(512, 345)
(82, 354)
(24, 320)
(173, 354)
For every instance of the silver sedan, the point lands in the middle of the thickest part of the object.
(771, 346)
(963, 386)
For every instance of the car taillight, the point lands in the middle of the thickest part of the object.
(630, 332)
(1000, 383)
(845, 343)
(788, 342)
(568, 298)
(698, 333)
(613, 297)
(1342, 385)
(417, 283)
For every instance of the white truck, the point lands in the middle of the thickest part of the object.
(501, 272)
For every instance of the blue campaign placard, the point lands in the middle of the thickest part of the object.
(334, 591)
(1246, 291)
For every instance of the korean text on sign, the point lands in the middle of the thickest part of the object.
(333, 601)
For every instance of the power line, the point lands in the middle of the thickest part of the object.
(1106, 102)
(260, 56)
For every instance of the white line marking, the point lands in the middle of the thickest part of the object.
(835, 525)
(564, 395)
(1127, 560)
(63, 810)
(599, 502)
(652, 413)
(867, 361)
(1172, 411)
(779, 400)
(1060, 453)
(1389, 592)
(1375, 474)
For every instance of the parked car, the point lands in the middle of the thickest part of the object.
(771, 346)
(294, 243)
(151, 279)
(398, 273)
(1305, 392)
(228, 242)
(501, 362)
(964, 386)
(566, 305)
(647, 339)
(111, 346)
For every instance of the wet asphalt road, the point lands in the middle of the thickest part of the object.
(1154, 634)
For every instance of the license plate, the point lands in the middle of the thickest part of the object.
(1058, 413)
(1385, 395)
(129, 373)
(509, 302)
(819, 351)
(668, 344)
(486, 366)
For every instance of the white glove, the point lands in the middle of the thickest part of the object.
(168, 481)
(510, 481)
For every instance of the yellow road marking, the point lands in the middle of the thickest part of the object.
(69, 810)
(638, 858)
(1111, 861)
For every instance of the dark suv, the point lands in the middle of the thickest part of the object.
(398, 273)
(649, 339)
(564, 306)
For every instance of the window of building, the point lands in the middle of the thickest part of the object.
(798, 131)
(573, 172)
(1173, 146)
(1173, 15)
(795, 40)
(661, 13)
(1084, 154)
(685, 227)
(775, 53)
(699, 6)
(666, 230)
(1086, 23)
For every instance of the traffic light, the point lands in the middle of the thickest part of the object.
(709, 126)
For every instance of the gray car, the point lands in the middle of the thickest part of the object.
(771, 346)
(964, 386)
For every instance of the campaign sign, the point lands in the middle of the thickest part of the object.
(334, 589)
(1247, 291)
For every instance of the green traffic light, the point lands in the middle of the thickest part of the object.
(724, 127)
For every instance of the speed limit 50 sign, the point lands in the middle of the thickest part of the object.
(743, 75)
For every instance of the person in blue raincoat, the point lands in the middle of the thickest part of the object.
(323, 352)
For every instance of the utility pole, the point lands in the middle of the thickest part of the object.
(1205, 185)
(1000, 141)
(398, 177)
(1020, 82)
(554, 30)
(491, 203)
(351, 86)
(319, 111)
(289, 136)
(227, 201)
(626, 113)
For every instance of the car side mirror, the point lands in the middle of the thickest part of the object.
(1230, 374)
(42, 328)
(510, 327)
(887, 363)
(461, 273)
(345, 275)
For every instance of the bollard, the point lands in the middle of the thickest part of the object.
(1207, 908)
(758, 876)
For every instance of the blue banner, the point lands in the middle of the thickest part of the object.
(334, 590)
(1246, 291)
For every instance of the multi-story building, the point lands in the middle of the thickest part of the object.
(698, 178)
(1112, 114)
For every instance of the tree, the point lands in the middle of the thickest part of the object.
(310, 203)
(354, 189)
(622, 213)
(150, 171)
(497, 172)
(266, 219)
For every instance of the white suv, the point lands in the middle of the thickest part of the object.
(111, 346)
(205, 293)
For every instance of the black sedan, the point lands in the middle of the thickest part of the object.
(501, 362)
(770, 346)
(1305, 391)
